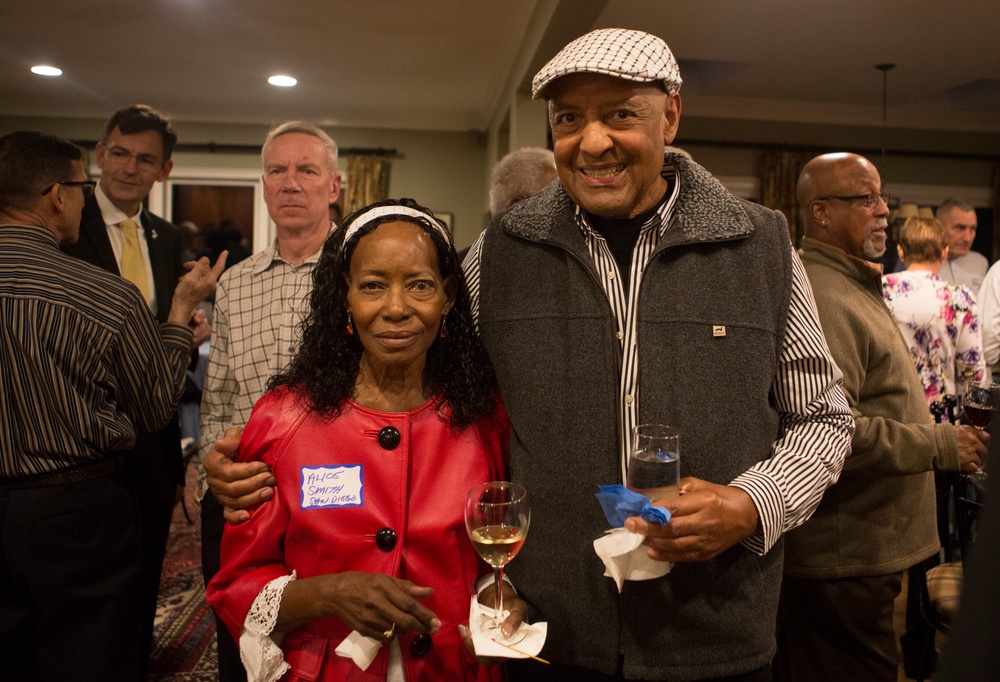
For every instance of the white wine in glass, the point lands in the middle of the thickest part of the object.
(497, 544)
(497, 516)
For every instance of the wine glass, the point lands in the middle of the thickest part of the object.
(497, 516)
(978, 403)
(654, 463)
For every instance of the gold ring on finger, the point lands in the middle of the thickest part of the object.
(390, 632)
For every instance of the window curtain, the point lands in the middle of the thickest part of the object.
(777, 187)
(367, 180)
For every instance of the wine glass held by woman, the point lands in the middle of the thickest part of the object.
(497, 517)
(385, 418)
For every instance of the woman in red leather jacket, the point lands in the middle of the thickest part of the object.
(386, 417)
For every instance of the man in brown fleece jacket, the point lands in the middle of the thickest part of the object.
(843, 567)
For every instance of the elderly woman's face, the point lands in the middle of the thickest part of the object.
(397, 296)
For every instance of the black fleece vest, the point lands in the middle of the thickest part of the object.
(712, 309)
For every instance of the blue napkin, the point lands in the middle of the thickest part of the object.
(619, 503)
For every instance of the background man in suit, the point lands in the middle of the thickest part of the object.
(119, 235)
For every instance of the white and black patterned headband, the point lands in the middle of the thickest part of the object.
(374, 214)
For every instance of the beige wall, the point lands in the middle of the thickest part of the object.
(733, 149)
(725, 160)
(915, 156)
(443, 171)
(450, 171)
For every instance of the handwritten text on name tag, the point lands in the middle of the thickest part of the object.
(338, 486)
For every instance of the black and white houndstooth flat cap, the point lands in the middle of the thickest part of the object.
(618, 52)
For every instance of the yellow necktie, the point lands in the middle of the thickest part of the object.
(133, 264)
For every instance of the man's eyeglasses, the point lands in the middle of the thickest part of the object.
(869, 201)
(87, 186)
(121, 157)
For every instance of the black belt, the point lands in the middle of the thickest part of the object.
(77, 474)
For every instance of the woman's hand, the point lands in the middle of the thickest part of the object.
(374, 604)
(518, 612)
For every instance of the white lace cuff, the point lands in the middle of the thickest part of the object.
(260, 652)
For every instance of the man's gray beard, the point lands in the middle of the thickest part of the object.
(870, 250)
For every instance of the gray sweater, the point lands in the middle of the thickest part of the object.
(550, 332)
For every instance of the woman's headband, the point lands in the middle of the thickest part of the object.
(368, 217)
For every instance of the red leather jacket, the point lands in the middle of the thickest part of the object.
(366, 491)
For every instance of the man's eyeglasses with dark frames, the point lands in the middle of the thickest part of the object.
(87, 186)
(869, 201)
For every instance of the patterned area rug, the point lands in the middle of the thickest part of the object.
(184, 630)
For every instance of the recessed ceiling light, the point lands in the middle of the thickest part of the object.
(282, 81)
(43, 70)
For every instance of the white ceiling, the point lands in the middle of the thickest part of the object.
(445, 64)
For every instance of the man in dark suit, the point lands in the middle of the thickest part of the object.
(119, 235)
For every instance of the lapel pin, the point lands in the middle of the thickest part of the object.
(718, 330)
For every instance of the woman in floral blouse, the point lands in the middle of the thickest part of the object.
(938, 320)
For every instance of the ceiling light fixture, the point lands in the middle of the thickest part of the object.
(43, 70)
(282, 81)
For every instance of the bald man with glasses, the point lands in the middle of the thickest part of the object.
(843, 567)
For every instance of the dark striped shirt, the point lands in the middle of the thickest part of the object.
(817, 424)
(82, 362)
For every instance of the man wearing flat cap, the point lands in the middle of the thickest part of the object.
(637, 289)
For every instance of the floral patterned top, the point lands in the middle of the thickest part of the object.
(940, 326)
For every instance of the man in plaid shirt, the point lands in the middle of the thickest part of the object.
(258, 308)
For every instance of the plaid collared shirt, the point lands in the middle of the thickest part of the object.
(260, 305)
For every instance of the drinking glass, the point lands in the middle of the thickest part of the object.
(654, 463)
(978, 402)
(497, 516)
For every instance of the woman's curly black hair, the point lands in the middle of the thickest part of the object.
(325, 369)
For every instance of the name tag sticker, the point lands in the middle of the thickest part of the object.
(339, 486)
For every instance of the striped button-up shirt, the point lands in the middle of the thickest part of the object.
(82, 362)
(260, 305)
(806, 392)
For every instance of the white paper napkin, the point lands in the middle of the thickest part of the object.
(625, 558)
(360, 649)
(528, 639)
